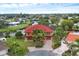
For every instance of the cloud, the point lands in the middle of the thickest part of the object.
(40, 8)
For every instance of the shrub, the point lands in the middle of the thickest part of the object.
(67, 53)
(56, 45)
(19, 34)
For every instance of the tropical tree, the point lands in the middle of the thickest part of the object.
(16, 47)
(58, 35)
(67, 24)
(38, 37)
(54, 20)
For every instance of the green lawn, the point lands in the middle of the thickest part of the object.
(28, 43)
(10, 20)
(12, 40)
(13, 28)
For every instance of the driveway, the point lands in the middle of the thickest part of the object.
(61, 49)
(47, 49)
(42, 53)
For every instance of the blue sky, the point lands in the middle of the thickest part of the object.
(37, 8)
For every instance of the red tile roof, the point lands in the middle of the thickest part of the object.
(72, 37)
(38, 27)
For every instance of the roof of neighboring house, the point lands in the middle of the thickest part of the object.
(72, 36)
(38, 27)
(77, 24)
(14, 22)
(2, 46)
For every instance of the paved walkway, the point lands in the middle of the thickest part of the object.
(61, 49)
(48, 44)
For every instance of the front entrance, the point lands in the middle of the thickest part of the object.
(48, 38)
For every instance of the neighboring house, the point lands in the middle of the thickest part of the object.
(21, 19)
(53, 26)
(34, 23)
(47, 30)
(76, 27)
(22, 31)
(76, 16)
(35, 20)
(70, 17)
(3, 49)
(76, 24)
(49, 21)
(2, 17)
(72, 36)
(13, 23)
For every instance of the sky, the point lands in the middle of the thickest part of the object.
(38, 8)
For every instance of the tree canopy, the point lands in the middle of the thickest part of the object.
(58, 35)
(67, 24)
(16, 47)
